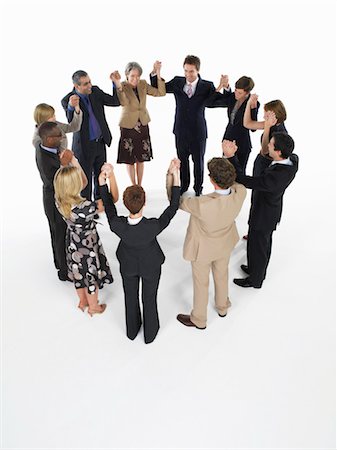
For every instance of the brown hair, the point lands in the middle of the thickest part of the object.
(134, 198)
(68, 185)
(222, 172)
(194, 60)
(245, 83)
(278, 108)
(43, 112)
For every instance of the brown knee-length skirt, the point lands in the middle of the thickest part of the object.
(134, 145)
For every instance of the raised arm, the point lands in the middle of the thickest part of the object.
(248, 121)
(76, 121)
(270, 120)
(110, 175)
(173, 186)
(218, 99)
(116, 79)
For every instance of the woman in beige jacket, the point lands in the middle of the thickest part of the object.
(135, 144)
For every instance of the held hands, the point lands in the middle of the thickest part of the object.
(106, 172)
(66, 157)
(253, 100)
(115, 77)
(269, 119)
(74, 100)
(229, 148)
(156, 68)
(224, 81)
(174, 167)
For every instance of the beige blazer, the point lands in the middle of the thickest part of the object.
(72, 127)
(134, 109)
(212, 231)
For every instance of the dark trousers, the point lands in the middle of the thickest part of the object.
(258, 254)
(57, 227)
(91, 160)
(149, 299)
(186, 147)
(243, 155)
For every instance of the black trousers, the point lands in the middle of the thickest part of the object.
(57, 227)
(258, 254)
(243, 155)
(149, 299)
(196, 148)
(92, 159)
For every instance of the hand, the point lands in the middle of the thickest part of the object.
(66, 157)
(115, 77)
(270, 119)
(224, 81)
(107, 169)
(156, 67)
(229, 148)
(74, 100)
(253, 100)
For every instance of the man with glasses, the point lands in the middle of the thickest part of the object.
(89, 143)
(48, 161)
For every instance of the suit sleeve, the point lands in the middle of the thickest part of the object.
(171, 210)
(156, 92)
(190, 205)
(107, 99)
(69, 113)
(110, 210)
(218, 100)
(74, 125)
(169, 86)
(253, 113)
(267, 182)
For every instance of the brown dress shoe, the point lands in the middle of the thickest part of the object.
(185, 320)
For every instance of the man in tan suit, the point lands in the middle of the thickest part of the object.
(210, 238)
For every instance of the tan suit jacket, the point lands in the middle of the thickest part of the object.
(134, 109)
(212, 231)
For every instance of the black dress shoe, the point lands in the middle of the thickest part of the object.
(198, 193)
(244, 282)
(244, 268)
(222, 315)
(185, 320)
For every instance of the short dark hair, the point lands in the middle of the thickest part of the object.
(194, 60)
(278, 108)
(245, 83)
(222, 172)
(284, 143)
(78, 75)
(134, 198)
(46, 129)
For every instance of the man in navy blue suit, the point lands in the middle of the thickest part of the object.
(191, 93)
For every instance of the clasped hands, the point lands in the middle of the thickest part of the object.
(174, 167)
(229, 148)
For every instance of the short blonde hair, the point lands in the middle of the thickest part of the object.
(43, 112)
(68, 185)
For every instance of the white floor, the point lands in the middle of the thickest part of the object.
(261, 378)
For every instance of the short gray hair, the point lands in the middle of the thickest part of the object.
(78, 75)
(133, 65)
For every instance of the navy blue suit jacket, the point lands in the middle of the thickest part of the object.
(189, 120)
(98, 100)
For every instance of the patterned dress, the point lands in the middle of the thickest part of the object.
(86, 260)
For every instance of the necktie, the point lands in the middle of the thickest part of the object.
(189, 91)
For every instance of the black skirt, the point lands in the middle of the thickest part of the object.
(134, 145)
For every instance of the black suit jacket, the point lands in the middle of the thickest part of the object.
(236, 131)
(138, 251)
(47, 163)
(98, 100)
(189, 120)
(269, 187)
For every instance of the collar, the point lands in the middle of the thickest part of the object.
(285, 162)
(134, 221)
(193, 84)
(223, 191)
(50, 150)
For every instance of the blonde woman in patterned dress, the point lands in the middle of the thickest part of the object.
(135, 143)
(87, 264)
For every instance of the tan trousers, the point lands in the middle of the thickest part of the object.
(200, 272)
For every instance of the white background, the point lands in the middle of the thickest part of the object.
(264, 377)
